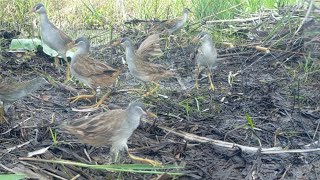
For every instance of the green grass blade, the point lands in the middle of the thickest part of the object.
(250, 120)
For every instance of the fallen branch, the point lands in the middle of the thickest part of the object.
(246, 149)
(236, 20)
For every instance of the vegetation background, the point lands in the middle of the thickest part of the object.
(97, 16)
(104, 20)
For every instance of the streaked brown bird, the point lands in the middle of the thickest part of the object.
(53, 37)
(206, 56)
(176, 24)
(138, 63)
(173, 25)
(11, 91)
(113, 128)
(92, 73)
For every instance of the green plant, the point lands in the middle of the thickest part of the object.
(250, 122)
(185, 105)
(53, 136)
(133, 168)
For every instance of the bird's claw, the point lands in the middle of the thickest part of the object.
(211, 87)
(148, 161)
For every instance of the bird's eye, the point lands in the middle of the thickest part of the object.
(202, 36)
(122, 40)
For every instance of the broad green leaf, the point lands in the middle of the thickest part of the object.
(12, 176)
(32, 44)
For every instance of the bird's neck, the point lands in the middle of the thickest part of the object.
(78, 54)
(81, 51)
(184, 17)
(207, 45)
(130, 55)
(44, 18)
(134, 118)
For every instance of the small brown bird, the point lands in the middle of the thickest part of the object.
(206, 56)
(138, 65)
(53, 37)
(13, 91)
(113, 128)
(176, 24)
(92, 73)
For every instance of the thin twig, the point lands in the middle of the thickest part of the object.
(306, 17)
(246, 149)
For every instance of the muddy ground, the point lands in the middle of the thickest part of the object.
(273, 89)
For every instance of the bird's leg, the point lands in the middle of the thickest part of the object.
(68, 75)
(174, 39)
(2, 118)
(153, 90)
(210, 80)
(56, 62)
(84, 96)
(196, 85)
(146, 85)
(148, 161)
(115, 157)
(100, 102)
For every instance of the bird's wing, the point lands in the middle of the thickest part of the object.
(150, 47)
(100, 125)
(12, 85)
(154, 72)
(88, 67)
(4, 86)
(64, 37)
(171, 22)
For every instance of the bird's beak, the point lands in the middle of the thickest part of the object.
(32, 10)
(71, 44)
(150, 114)
(195, 39)
(116, 42)
(47, 82)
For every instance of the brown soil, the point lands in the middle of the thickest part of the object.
(272, 89)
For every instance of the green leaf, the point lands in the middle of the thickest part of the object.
(175, 170)
(249, 120)
(32, 44)
(25, 44)
(12, 176)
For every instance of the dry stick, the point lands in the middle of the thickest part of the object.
(306, 17)
(246, 149)
(236, 20)
(17, 125)
(43, 170)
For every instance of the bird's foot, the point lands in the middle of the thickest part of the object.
(76, 98)
(68, 75)
(2, 118)
(56, 62)
(211, 87)
(147, 94)
(196, 85)
(152, 91)
(100, 102)
(143, 160)
(95, 106)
